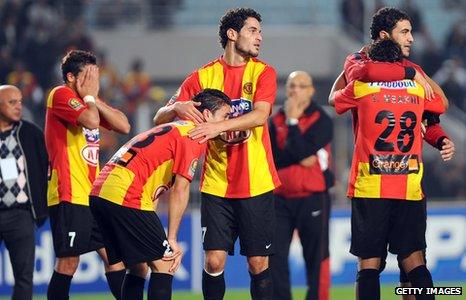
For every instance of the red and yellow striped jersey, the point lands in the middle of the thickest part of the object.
(72, 149)
(144, 167)
(238, 164)
(387, 159)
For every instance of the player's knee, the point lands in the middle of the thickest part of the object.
(161, 266)
(411, 261)
(67, 265)
(138, 270)
(370, 263)
(258, 264)
(214, 263)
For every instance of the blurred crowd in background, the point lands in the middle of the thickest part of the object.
(34, 35)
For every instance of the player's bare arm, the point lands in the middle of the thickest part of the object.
(438, 90)
(185, 110)
(339, 84)
(115, 118)
(257, 117)
(87, 86)
(178, 201)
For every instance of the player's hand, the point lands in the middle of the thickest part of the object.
(205, 131)
(429, 92)
(188, 110)
(308, 161)
(175, 255)
(87, 82)
(448, 150)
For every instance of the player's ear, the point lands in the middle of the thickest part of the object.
(232, 34)
(384, 35)
(70, 77)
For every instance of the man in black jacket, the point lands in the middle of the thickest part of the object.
(23, 187)
(300, 135)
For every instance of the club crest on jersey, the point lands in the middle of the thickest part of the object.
(75, 104)
(247, 88)
(239, 107)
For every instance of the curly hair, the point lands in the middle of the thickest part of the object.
(235, 19)
(211, 99)
(74, 61)
(385, 50)
(385, 19)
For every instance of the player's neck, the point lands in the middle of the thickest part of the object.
(233, 58)
(72, 86)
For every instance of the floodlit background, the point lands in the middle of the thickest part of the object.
(146, 48)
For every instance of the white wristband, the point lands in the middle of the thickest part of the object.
(88, 99)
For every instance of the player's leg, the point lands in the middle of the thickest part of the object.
(410, 244)
(160, 283)
(279, 261)
(368, 283)
(369, 229)
(116, 272)
(256, 228)
(218, 237)
(70, 232)
(133, 283)
(404, 282)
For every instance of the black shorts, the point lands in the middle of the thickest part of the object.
(130, 235)
(376, 223)
(252, 219)
(74, 230)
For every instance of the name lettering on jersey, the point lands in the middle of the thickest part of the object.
(90, 152)
(239, 107)
(395, 99)
(393, 164)
(394, 85)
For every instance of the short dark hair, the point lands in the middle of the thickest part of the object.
(235, 18)
(74, 61)
(385, 19)
(211, 99)
(385, 50)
